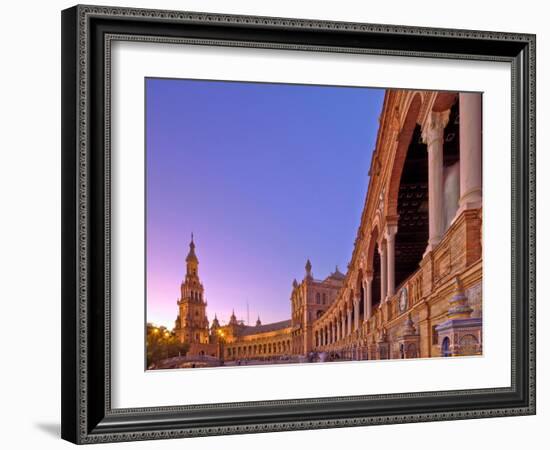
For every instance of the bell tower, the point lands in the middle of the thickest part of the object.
(192, 322)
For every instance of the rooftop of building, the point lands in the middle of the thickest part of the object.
(247, 330)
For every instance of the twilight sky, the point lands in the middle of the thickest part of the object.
(265, 175)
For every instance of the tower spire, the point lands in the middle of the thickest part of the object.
(308, 269)
(233, 318)
(192, 260)
(192, 246)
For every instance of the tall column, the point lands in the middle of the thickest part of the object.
(344, 323)
(470, 151)
(337, 329)
(432, 135)
(391, 230)
(356, 313)
(368, 295)
(383, 271)
(348, 328)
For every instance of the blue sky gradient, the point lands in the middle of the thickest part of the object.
(265, 175)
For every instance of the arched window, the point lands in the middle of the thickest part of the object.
(324, 299)
(468, 345)
(445, 347)
(318, 298)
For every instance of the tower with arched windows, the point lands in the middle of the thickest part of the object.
(192, 322)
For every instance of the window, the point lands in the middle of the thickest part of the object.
(318, 298)
(324, 299)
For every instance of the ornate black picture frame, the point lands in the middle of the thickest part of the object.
(87, 415)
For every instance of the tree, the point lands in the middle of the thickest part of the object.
(162, 344)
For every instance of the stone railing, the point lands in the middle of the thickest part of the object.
(459, 248)
(450, 257)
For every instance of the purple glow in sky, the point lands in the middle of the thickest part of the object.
(265, 176)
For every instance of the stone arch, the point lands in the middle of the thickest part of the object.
(372, 244)
(349, 307)
(405, 136)
(373, 263)
(468, 345)
(360, 289)
(446, 347)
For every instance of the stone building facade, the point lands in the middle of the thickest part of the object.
(310, 299)
(413, 287)
(238, 341)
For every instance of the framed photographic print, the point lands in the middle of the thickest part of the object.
(281, 224)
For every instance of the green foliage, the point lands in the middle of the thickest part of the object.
(162, 343)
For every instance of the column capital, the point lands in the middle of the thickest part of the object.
(432, 129)
(390, 231)
(369, 275)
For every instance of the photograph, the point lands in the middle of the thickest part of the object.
(279, 222)
(301, 223)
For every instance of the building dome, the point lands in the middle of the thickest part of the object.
(337, 275)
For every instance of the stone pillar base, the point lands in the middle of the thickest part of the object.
(460, 337)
